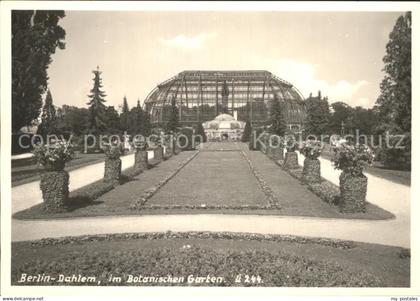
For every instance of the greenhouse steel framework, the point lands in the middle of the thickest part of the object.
(246, 95)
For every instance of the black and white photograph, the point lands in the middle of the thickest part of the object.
(206, 147)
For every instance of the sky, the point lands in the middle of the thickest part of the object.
(338, 53)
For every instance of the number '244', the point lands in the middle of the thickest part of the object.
(244, 278)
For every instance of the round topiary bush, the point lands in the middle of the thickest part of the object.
(311, 171)
(352, 159)
(185, 139)
(291, 160)
(167, 140)
(112, 172)
(54, 182)
(352, 193)
(55, 190)
(311, 149)
(158, 153)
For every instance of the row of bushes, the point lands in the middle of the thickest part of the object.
(55, 180)
(325, 190)
(350, 196)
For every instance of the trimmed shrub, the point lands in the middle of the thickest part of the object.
(352, 192)
(352, 159)
(112, 171)
(141, 160)
(199, 132)
(185, 139)
(291, 160)
(246, 135)
(55, 190)
(311, 171)
(158, 153)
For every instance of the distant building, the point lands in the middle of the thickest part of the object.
(245, 95)
(224, 127)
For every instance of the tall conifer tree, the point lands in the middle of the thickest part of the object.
(97, 108)
(277, 121)
(48, 124)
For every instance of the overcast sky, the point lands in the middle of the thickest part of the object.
(337, 53)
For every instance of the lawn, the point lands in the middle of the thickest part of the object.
(26, 170)
(234, 259)
(215, 179)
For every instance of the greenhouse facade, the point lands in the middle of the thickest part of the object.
(246, 95)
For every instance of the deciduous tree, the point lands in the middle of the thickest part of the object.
(35, 37)
(317, 115)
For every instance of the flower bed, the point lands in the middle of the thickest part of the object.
(224, 265)
(53, 156)
(352, 159)
(209, 207)
(334, 243)
(311, 149)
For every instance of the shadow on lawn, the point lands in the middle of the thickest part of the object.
(79, 202)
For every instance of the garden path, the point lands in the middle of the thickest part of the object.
(388, 195)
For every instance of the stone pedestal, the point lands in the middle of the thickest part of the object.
(352, 193)
(311, 171)
(55, 190)
(158, 153)
(140, 160)
(112, 170)
(291, 160)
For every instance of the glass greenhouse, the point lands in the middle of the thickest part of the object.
(245, 95)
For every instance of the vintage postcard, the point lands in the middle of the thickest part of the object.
(163, 147)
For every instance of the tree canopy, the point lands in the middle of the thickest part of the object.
(124, 116)
(317, 115)
(173, 122)
(35, 37)
(277, 121)
(394, 102)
